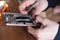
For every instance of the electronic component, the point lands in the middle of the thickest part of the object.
(17, 19)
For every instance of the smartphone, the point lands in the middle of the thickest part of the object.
(18, 19)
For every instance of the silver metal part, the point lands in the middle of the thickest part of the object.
(17, 19)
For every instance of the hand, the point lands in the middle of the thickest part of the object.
(47, 31)
(38, 8)
(24, 5)
(49, 28)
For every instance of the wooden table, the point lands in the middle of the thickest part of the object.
(14, 33)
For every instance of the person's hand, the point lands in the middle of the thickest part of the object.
(49, 28)
(40, 6)
(24, 5)
(47, 31)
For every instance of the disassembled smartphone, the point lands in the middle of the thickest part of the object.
(17, 19)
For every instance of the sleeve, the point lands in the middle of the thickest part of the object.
(58, 34)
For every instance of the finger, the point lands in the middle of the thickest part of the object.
(22, 9)
(23, 6)
(23, 12)
(32, 31)
(44, 21)
(39, 19)
(41, 7)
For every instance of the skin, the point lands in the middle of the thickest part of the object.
(41, 5)
(49, 28)
(47, 31)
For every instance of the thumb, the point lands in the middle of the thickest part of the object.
(40, 19)
(30, 30)
(45, 21)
